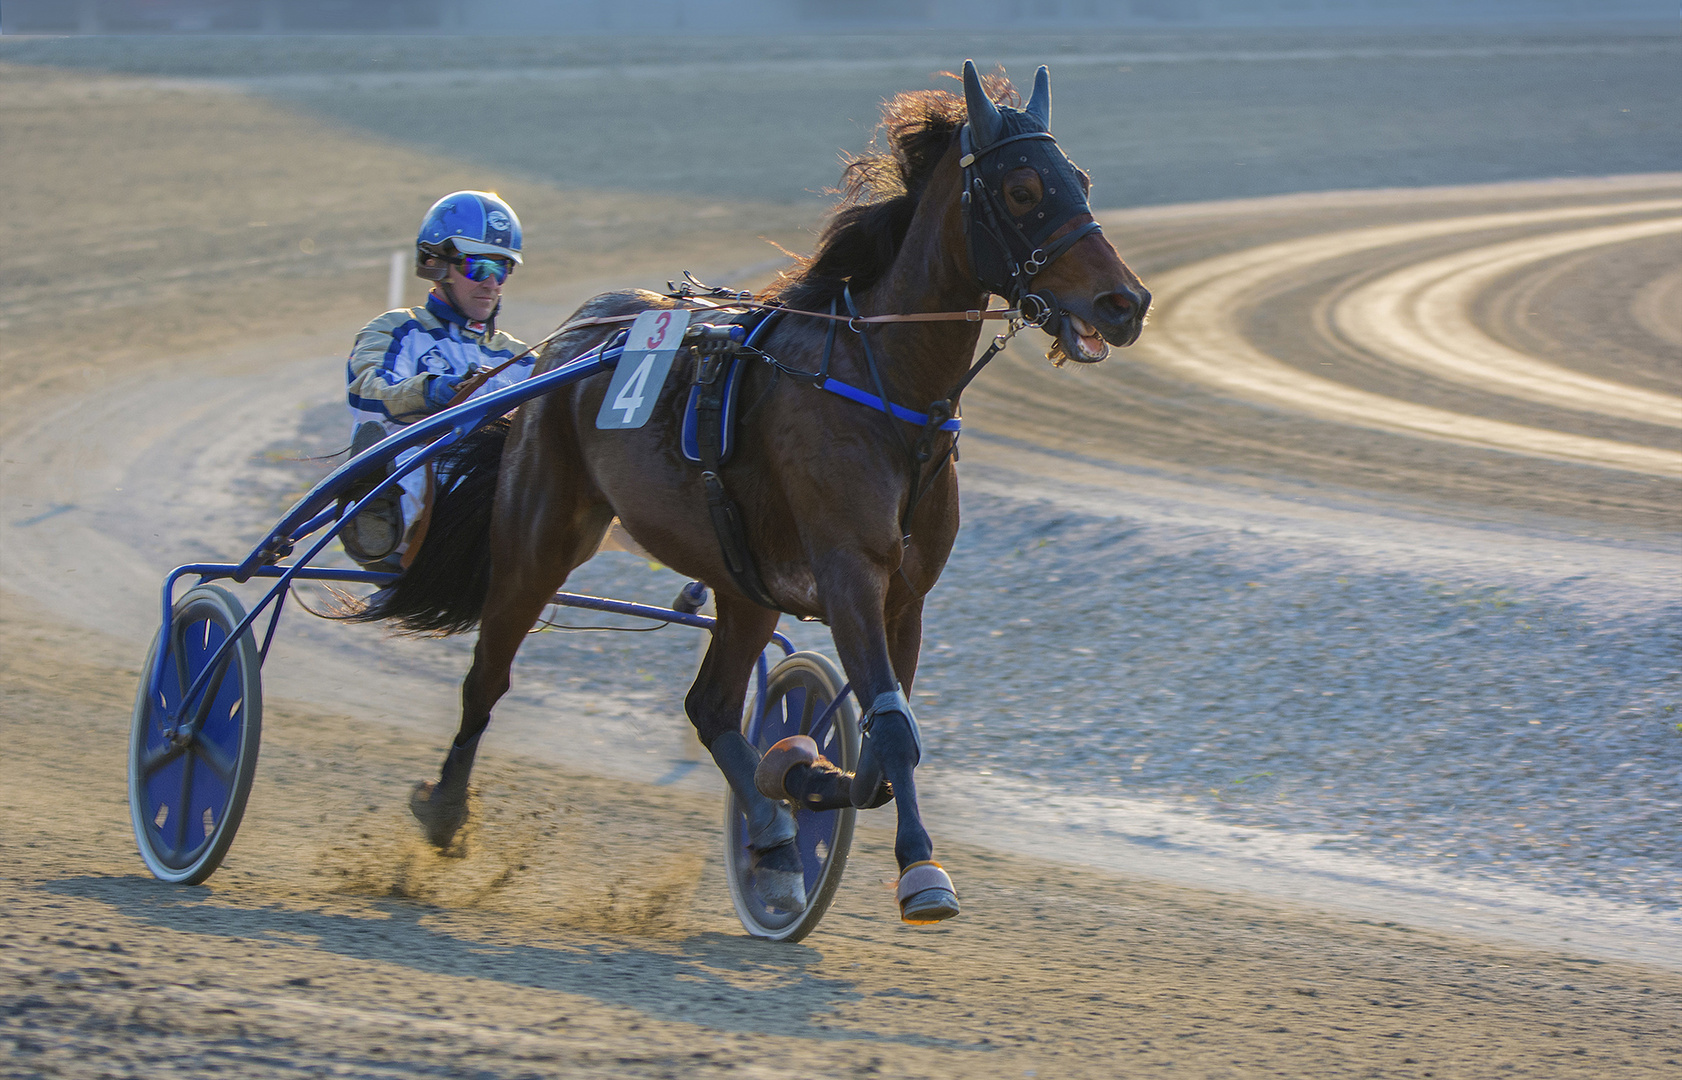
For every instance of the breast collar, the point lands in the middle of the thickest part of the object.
(1004, 256)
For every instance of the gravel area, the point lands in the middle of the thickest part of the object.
(1251, 644)
(1475, 725)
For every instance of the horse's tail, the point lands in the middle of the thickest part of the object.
(443, 591)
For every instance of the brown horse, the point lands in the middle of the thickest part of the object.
(971, 196)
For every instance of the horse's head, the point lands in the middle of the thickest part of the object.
(1032, 238)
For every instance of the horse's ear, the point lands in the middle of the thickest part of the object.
(985, 121)
(1039, 105)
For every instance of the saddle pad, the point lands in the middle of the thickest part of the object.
(732, 387)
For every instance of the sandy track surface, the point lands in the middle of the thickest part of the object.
(586, 934)
(587, 931)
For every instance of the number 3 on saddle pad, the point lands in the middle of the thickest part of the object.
(642, 370)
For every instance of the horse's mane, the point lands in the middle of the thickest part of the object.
(879, 192)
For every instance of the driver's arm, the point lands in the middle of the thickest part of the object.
(382, 373)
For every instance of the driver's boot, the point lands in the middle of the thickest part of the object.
(371, 537)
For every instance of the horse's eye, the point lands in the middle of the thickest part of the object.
(1021, 189)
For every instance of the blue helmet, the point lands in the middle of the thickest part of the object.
(473, 223)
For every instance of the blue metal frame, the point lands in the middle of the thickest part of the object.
(319, 509)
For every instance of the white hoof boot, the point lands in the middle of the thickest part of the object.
(926, 895)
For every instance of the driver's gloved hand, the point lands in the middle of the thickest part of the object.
(440, 389)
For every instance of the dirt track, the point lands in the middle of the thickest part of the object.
(332, 940)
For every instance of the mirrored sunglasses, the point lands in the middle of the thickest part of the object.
(480, 267)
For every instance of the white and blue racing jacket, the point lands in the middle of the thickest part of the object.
(396, 353)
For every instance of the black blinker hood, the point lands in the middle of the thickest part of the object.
(1006, 252)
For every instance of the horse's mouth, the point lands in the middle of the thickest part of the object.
(1081, 341)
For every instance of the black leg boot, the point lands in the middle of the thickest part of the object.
(898, 738)
(793, 769)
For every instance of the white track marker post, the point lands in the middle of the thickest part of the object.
(399, 276)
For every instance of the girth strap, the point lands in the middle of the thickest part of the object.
(726, 516)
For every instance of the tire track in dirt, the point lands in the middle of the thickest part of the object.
(1421, 318)
(1357, 339)
(1195, 334)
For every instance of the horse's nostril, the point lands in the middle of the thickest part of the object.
(1118, 306)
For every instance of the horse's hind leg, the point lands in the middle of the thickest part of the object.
(542, 530)
(714, 705)
(441, 805)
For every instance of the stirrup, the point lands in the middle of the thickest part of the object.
(372, 536)
(368, 434)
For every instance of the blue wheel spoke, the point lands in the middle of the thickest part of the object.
(213, 756)
(178, 654)
(806, 711)
(212, 687)
(160, 757)
(186, 801)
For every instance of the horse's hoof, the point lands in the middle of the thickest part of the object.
(440, 816)
(785, 755)
(779, 878)
(926, 895)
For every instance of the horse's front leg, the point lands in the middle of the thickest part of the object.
(855, 593)
(905, 633)
(714, 705)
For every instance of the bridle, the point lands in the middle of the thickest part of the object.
(1004, 258)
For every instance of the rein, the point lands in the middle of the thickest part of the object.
(942, 415)
(479, 376)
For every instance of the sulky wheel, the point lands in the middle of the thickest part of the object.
(190, 770)
(799, 693)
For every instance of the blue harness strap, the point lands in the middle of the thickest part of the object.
(715, 385)
(732, 389)
(853, 393)
(691, 437)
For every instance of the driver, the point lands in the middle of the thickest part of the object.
(409, 363)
